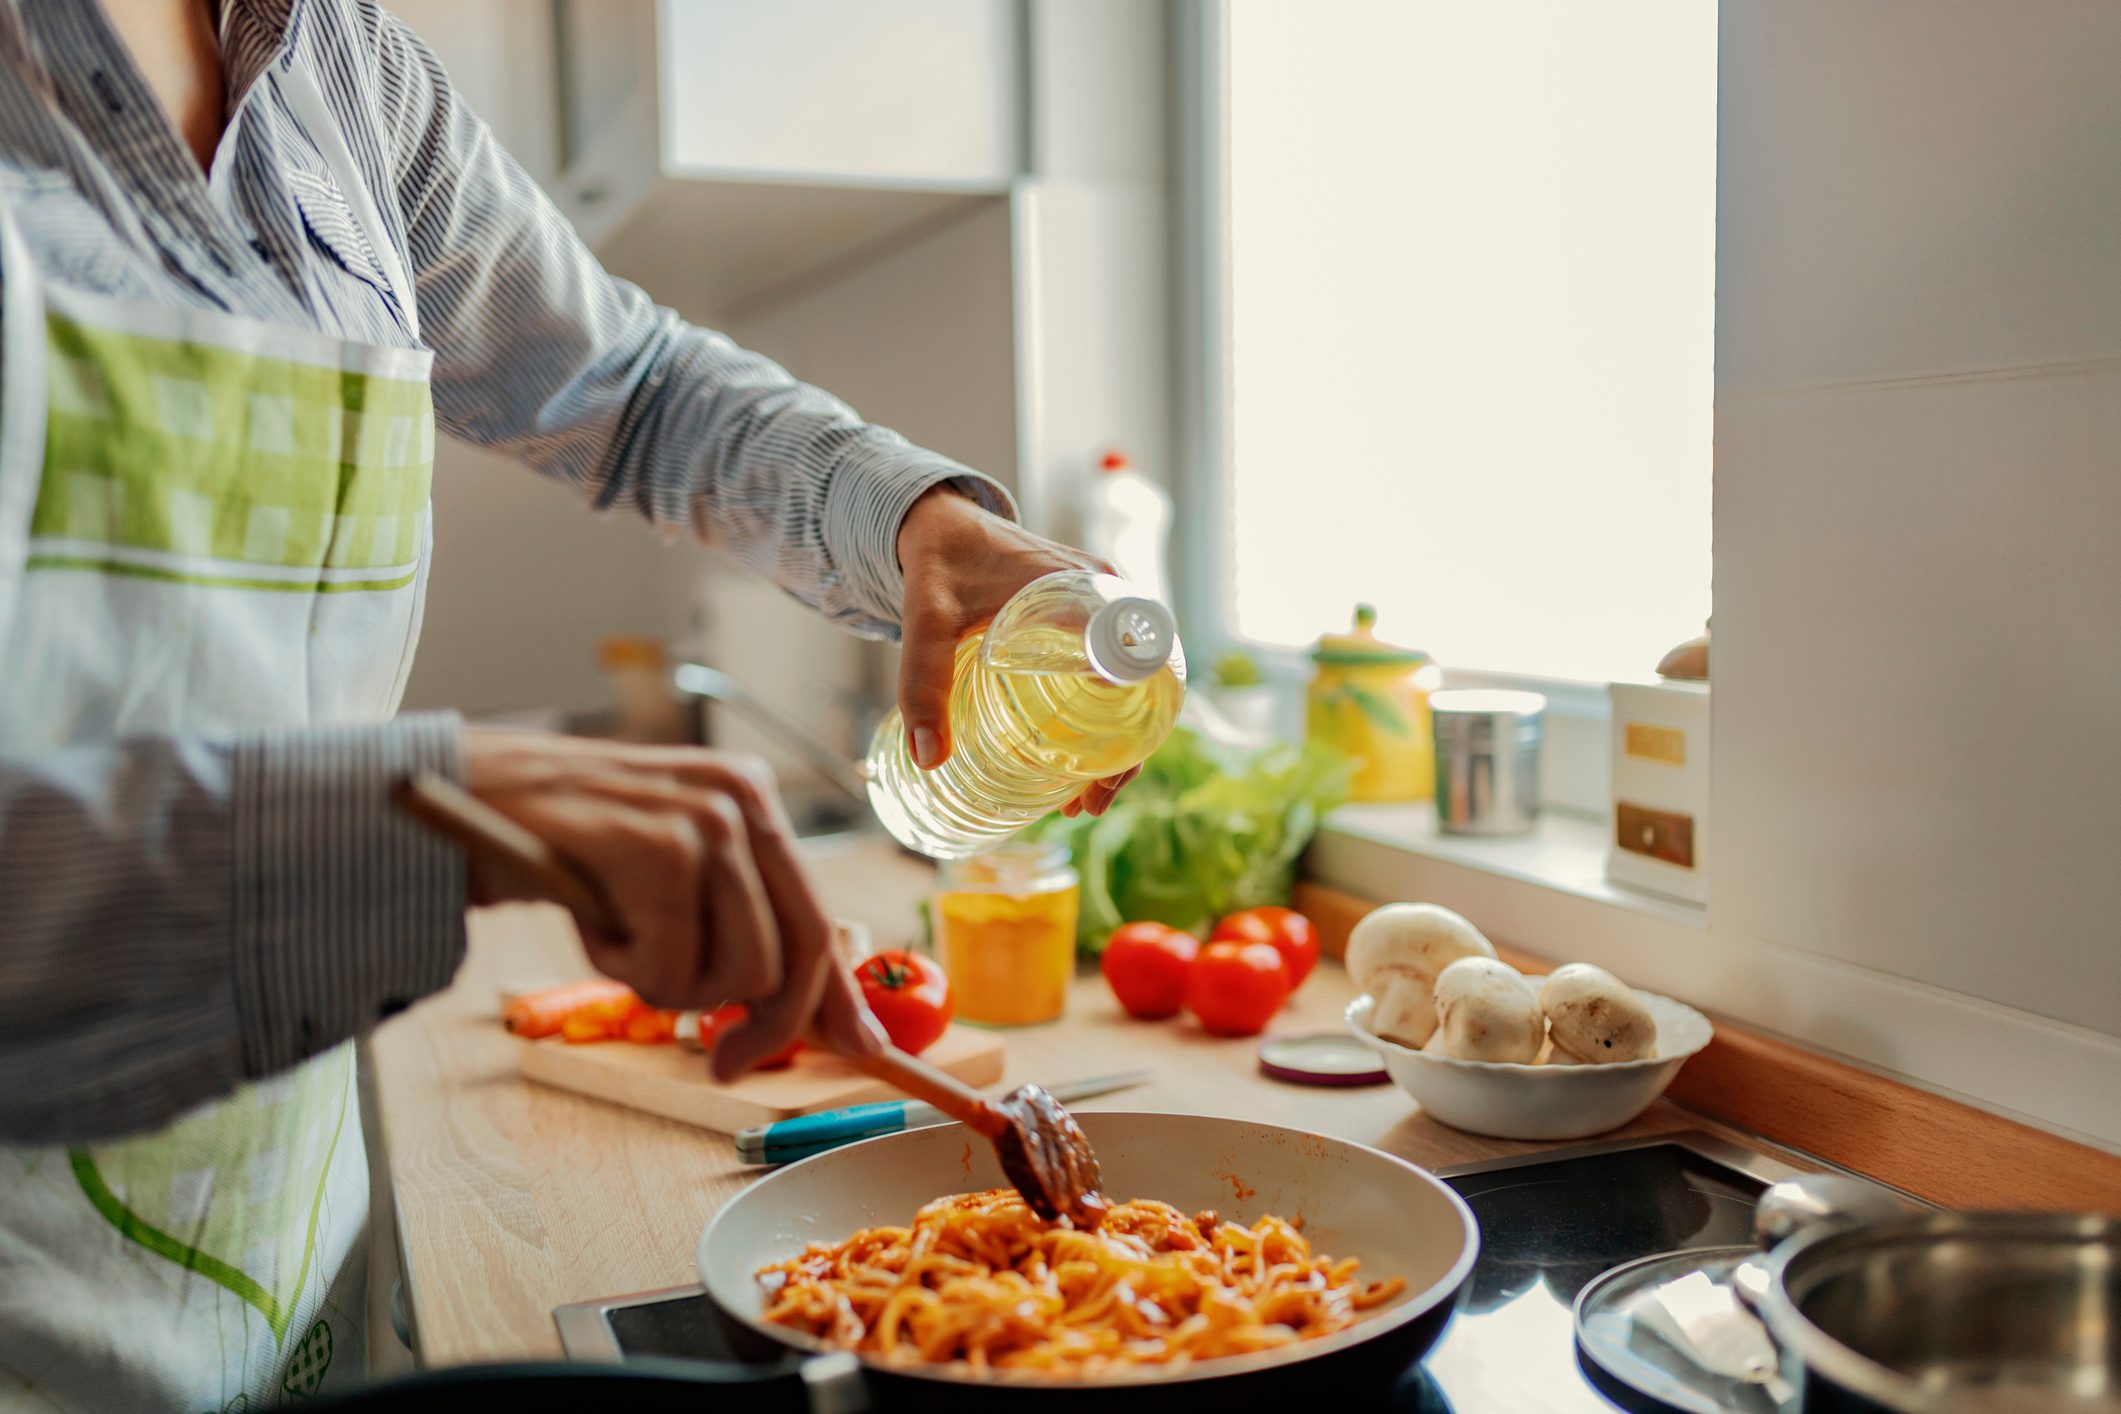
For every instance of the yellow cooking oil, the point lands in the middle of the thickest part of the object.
(1005, 929)
(1079, 677)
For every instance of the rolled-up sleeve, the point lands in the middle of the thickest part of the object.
(542, 354)
(184, 915)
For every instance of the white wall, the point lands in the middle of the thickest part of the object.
(1093, 252)
(1918, 494)
(917, 336)
(920, 338)
(525, 580)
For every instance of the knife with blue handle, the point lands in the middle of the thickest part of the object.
(785, 1141)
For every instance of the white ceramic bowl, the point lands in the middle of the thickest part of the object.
(1512, 1101)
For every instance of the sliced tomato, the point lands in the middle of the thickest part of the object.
(1291, 934)
(909, 994)
(714, 1023)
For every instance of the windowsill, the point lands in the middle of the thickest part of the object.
(1565, 853)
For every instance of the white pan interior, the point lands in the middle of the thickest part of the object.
(1354, 1202)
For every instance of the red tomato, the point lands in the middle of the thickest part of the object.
(1293, 936)
(1234, 988)
(909, 994)
(1146, 964)
(714, 1023)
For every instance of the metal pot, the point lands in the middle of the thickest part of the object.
(1878, 1308)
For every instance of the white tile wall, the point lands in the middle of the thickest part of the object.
(1917, 759)
(1918, 683)
(1915, 186)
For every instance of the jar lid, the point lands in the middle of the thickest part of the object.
(628, 650)
(1362, 646)
(1321, 1058)
(1013, 864)
(1487, 702)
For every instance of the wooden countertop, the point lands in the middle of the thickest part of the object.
(512, 1198)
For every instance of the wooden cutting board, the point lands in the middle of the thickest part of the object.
(673, 1081)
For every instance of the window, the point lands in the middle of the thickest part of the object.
(1468, 249)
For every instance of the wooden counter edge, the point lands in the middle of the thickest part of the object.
(1930, 1145)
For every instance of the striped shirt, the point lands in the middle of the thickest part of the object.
(177, 916)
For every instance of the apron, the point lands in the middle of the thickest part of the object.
(208, 525)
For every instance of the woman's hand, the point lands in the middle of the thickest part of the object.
(695, 858)
(961, 565)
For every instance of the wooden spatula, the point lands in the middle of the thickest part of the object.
(1041, 1148)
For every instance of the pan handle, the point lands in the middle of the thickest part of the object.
(1811, 1202)
(1820, 1199)
(834, 1383)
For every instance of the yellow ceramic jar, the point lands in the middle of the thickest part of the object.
(1370, 700)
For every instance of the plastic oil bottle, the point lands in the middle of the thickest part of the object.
(1079, 677)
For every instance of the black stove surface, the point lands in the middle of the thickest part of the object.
(1548, 1225)
(1546, 1229)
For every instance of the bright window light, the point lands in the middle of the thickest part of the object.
(1471, 271)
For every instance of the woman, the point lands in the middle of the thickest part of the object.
(250, 255)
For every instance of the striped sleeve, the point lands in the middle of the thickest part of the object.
(182, 916)
(542, 354)
(341, 911)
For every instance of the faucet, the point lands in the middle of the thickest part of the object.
(701, 683)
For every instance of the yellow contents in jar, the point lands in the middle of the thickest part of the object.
(1005, 926)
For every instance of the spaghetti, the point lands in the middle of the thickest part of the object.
(981, 1278)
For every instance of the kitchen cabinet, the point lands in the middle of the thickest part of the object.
(782, 138)
(920, 93)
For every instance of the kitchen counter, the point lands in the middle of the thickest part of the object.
(512, 1198)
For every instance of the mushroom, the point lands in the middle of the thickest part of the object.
(1487, 1011)
(1395, 954)
(1594, 1018)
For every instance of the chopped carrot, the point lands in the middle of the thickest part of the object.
(545, 1012)
(651, 1027)
(598, 1010)
(579, 1028)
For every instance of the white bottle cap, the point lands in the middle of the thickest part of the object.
(1130, 639)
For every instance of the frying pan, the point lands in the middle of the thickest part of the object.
(1354, 1202)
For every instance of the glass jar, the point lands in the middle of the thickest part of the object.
(1005, 927)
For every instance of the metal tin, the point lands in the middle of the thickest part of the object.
(1487, 760)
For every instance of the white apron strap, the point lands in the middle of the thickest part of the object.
(302, 95)
(22, 371)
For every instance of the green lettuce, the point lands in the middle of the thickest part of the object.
(1207, 829)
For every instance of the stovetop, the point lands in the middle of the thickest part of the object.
(1549, 1223)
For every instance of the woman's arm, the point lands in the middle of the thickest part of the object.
(543, 355)
(178, 916)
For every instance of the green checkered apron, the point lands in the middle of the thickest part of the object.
(207, 525)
